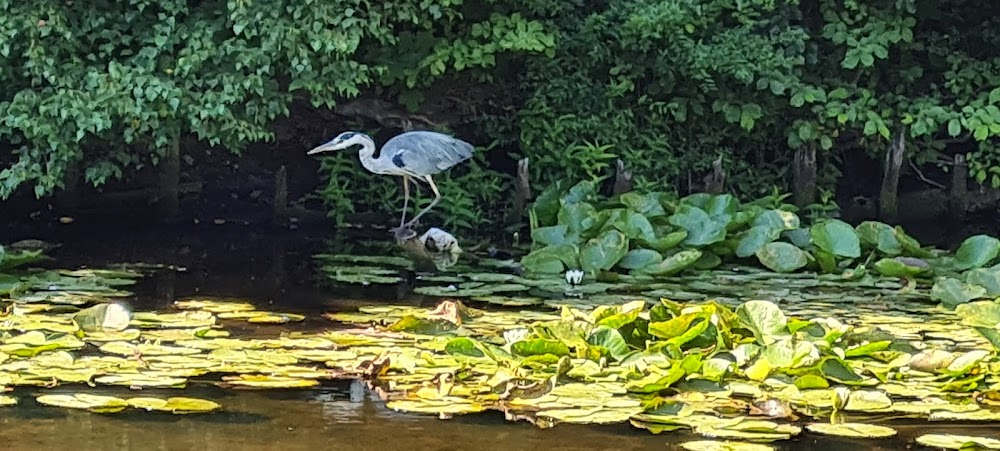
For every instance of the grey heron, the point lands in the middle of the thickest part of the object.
(412, 155)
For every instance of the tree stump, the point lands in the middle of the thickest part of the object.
(623, 179)
(888, 209)
(958, 197)
(170, 178)
(804, 175)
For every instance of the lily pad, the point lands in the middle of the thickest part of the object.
(950, 441)
(856, 430)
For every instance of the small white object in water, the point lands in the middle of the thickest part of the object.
(574, 276)
(437, 240)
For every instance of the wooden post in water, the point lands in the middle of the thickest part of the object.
(888, 209)
(958, 198)
(170, 179)
(804, 175)
(522, 193)
(280, 203)
(623, 179)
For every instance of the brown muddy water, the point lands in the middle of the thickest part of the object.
(275, 271)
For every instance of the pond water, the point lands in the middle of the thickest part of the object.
(275, 271)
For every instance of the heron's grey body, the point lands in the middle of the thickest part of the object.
(416, 154)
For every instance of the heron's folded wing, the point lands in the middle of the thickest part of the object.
(427, 153)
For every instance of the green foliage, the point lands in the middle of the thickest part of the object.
(85, 82)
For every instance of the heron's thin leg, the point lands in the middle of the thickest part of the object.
(437, 198)
(406, 199)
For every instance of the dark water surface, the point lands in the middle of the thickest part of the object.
(275, 271)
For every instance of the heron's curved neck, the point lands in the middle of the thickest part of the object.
(367, 153)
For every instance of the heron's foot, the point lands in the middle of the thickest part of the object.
(403, 233)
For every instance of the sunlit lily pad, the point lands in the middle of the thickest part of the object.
(129, 349)
(949, 441)
(93, 403)
(710, 445)
(212, 305)
(857, 430)
(263, 381)
(6, 401)
(142, 380)
(276, 318)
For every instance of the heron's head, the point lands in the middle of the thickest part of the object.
(342, 141)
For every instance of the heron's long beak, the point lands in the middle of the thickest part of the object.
(321, 148)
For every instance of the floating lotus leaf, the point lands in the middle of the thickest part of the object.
(213, 305)
(183, 334)
(242, 314)
(598, 415)
(130, 349)
(264, 381)
(710, 445)
(93, 403)
(445, 405)
(124, 335)
(6, 401)
(857, 430)
(949, 441)
(276, 318)
(975, 415)
(509, 301)
(142, 380)
(185, 319)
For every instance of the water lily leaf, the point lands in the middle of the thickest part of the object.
(640, 258)
(213, 305)
(674, 263)
(976, 251)
(423, 326)
(545, 260)
(539, 346)
(93, 403)
(711, 445)
(142, 380)
(777, 219)
(265, 381)
(464, 347)
(782, 257)
(668, 241)
(811, 381)
(130, 349)
(185, 319)
(276, 318)
(836, 237)
(952, 292)
(833, 368)
(6, 401)
(756, 238)
(879, 236)
(446, 405)
(900, 267)
(551, 235)
(950, 441)
(764, 319)
(598, 415)
(702, 229)
(603, 252)
(611, 340)
(868, 401)
(988, 278)
(856, 430)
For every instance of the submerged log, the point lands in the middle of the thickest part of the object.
(888, 208)
(804, 175)
(958, 197)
